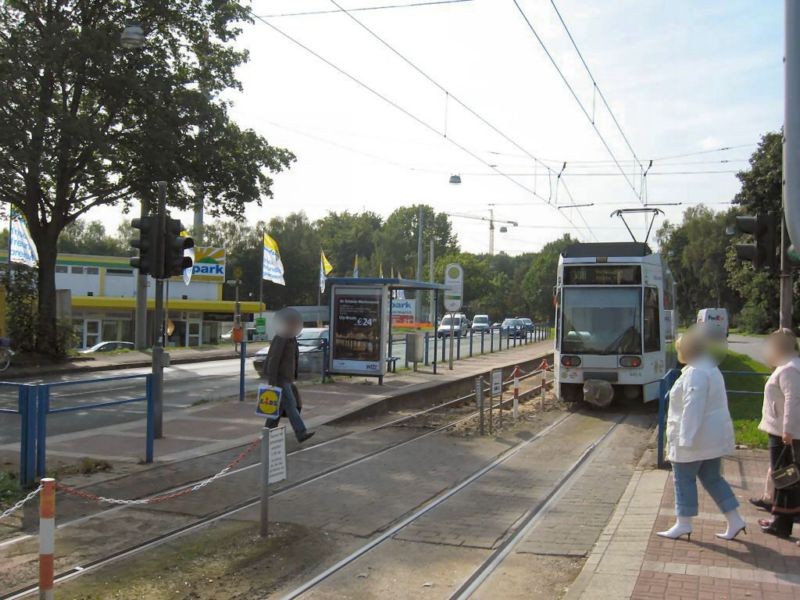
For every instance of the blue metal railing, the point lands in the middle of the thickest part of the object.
(26, 410)
(34, 407)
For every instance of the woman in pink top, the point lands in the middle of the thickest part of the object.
(781, 420)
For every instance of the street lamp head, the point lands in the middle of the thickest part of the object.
(455, 179)
(132, 37)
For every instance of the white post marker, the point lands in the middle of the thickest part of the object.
(47, 537)
(453, 299)
(516, 393)
(273, 467)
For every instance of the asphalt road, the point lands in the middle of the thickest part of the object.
(184, 385)
(750, 346)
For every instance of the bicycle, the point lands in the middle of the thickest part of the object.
(5, 354)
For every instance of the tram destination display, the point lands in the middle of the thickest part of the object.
(357, 324)
(602, 275)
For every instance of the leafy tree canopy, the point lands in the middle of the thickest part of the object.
(84, 122)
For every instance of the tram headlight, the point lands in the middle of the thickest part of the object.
(571, 361)
(631, 362)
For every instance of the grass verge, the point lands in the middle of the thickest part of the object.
(745, 408)
(9, 489)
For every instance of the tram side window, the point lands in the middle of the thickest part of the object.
(652, 328)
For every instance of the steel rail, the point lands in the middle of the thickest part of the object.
(207, 520)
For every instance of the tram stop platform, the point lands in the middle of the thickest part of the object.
(200, 439)
(630, 561)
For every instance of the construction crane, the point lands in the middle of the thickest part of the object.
(491, 221)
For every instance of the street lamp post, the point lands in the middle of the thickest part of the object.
(132, 38)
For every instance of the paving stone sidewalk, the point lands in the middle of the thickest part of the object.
(630, 561)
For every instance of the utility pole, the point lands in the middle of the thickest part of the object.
(158, 342)
(418, 301)
(491, 232)
(430, 279)
(791, 123)
(786, 280)
(140, 323)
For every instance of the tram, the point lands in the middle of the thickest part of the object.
(615, 322)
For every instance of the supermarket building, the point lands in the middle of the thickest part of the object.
(102, 299)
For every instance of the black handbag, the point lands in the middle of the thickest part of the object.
(788, 476)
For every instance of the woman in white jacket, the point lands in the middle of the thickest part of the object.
(699, 434)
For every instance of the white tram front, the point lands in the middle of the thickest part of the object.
(615, 322)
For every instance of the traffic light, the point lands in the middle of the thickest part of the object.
(763, 252)
(147, 244)
(174, 245)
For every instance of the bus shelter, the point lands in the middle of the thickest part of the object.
(361, 321)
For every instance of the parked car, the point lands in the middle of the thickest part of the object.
(108, 347)
(310, 346)
(528, 323)
(481, 324)
(457, 324)
(513, 328)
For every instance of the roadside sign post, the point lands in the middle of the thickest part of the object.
(496, 391)
(273, 467)
(453, 298)
(264, 481)
(479, 400)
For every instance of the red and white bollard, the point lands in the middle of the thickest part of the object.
(516, 374)
(47, 537)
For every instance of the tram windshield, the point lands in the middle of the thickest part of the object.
(602, 320)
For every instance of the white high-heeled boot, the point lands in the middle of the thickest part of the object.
(735, 525)
(683, 526)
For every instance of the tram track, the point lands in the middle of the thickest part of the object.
(518, 530)
(230, 510)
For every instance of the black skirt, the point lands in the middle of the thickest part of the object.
(787, 501)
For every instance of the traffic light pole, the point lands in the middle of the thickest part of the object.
(158, 317)
(786, 280)
(140, 323)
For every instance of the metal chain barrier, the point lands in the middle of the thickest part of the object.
(163, 497)
(21, 503)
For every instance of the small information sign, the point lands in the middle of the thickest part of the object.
(497, 382)
(277, 454)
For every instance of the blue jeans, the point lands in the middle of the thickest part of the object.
(289, 406)
(709, 472)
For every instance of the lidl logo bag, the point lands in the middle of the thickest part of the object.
(269, 401)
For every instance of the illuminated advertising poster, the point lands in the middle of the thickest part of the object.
(357, 324)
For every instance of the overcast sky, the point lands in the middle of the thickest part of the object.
(680, 76)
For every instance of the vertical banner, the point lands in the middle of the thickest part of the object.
(325, 267)
(273, 266)
(22, 249)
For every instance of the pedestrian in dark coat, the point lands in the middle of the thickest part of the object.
(280, 370)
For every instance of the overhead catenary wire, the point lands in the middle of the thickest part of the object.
(366, 8)
(402, 109)
(397, 107)
(596, 85)
(577, 99)
(449, 96)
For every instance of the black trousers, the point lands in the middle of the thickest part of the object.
(785, 503)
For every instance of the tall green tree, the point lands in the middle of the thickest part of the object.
(396, 244)
(760, 193)
(696, 252)
(90, 237)
(540, 279)
(85, 123)
(344, 235)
